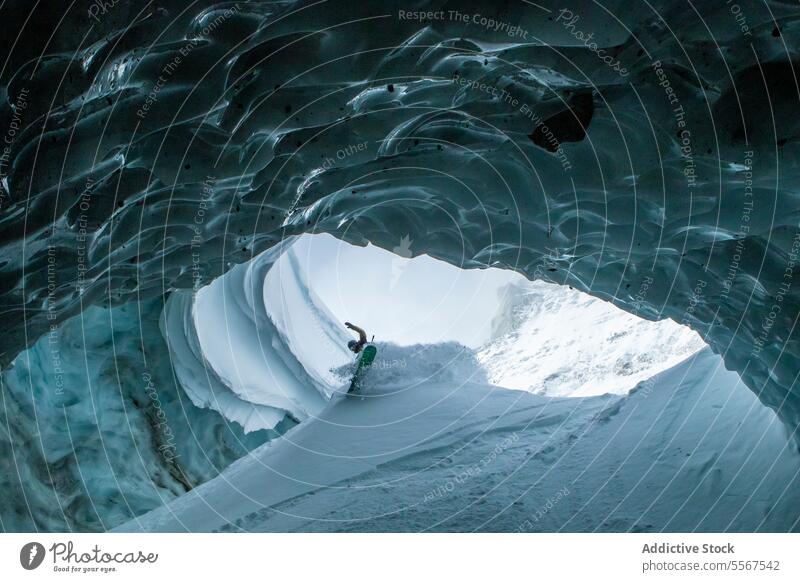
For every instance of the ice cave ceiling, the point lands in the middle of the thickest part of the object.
(645, 152)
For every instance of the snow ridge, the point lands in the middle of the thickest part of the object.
(556, 341)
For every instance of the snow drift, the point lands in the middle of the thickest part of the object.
(254, 329)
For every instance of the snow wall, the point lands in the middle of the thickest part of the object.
(268, 343)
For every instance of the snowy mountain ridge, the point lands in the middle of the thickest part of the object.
(552, 340)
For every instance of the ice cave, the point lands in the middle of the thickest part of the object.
(571, 232)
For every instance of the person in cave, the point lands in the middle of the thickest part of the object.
(356, 346)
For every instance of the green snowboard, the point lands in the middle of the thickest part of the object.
(365, 361)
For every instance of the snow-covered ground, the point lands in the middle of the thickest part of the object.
(692, 449)
(553, 340)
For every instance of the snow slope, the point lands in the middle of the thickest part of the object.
(687, 450)
(556, 341)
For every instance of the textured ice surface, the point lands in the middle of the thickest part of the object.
(163, 139)
(94, 429)
(152, 149)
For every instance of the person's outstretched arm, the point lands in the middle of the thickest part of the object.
(362, 335)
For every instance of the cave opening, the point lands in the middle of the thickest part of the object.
(525, 335)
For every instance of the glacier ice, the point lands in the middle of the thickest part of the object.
(150, 151)
(95, 430)
(257, 131)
